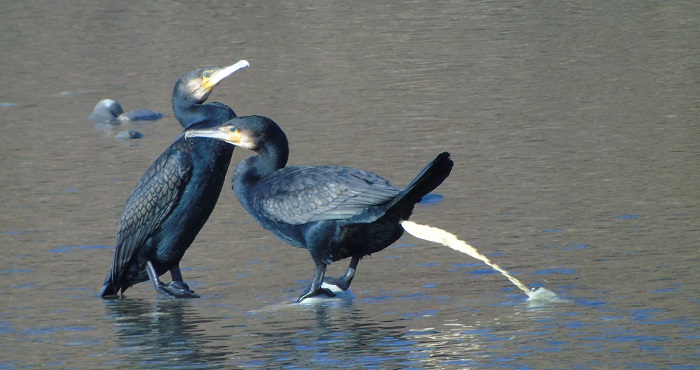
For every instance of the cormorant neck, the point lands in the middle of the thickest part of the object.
(271, 155)
(191, 113)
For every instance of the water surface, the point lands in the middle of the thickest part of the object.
(574, 130)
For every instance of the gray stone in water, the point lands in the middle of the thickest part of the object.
(107, 110)
(140, 115)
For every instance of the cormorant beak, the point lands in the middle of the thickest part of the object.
(228, 134)
(218, 76)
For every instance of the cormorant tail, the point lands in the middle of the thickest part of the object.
(426, 181)
(108, 289)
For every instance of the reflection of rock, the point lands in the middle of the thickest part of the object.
(128, 134)
(108, 110)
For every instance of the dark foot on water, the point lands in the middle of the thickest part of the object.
(315, 288)
(320, 291)
(339, 282)
(176, 289)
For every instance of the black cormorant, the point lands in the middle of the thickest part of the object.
(335, 212)
(176, 195)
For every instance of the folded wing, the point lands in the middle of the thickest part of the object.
(301, 194)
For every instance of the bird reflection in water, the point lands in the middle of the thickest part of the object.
(327, 334)
(162, 333)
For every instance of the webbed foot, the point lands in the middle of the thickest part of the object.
(339, 282)
(308, 293)
(314, 288)
(176, 289)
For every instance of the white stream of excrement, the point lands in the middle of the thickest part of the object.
(435, 235)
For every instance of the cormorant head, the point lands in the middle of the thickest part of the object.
(250, 132)
(198, 84)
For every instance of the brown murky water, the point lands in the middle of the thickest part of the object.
(574, 129)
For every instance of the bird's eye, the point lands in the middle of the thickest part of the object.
(206, 74)
(233, 129)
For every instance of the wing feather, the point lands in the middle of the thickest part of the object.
(152, 200)
(303, 194)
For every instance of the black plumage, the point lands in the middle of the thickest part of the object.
(335, 212)
(174, 198)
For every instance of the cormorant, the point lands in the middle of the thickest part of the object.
(176, 195)
(335, 212)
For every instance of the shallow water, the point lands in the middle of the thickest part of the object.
(574, 130)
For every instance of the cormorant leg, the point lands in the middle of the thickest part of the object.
(179, 284)
(314, 288)
(344, 281)
(175, 274)
(174, 290)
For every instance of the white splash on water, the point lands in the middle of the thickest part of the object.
(435, 235)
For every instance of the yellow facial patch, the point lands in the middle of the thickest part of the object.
(233, 135)
(207, 82)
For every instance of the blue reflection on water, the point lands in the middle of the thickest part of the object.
(551, 271)
(576, 247)
(432, 198)
(19, 232)
(630, 216)
(485, 271)
(73, 248)
(15, 271)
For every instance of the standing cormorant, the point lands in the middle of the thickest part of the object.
(173, 199)
(335, 212)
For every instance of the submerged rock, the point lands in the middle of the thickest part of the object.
(108, 110)
(140, 115)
